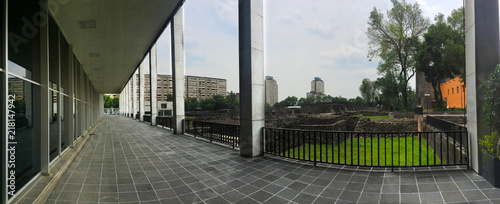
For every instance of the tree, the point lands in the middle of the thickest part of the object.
(289, 101)
(442, 54)
(170, 97)
(233, 100)
(111, 102)
(358, 101)
(389, 86)
(367, 90)
(221, 102)
(190, 103)
(395, 39)
(208, 104)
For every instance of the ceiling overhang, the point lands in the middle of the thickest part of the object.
(111, 37)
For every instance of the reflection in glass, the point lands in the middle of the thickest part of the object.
(26, 133)
(54, 132)
(64, 115)
(20, 71)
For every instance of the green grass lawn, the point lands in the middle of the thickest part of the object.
(372, 117)
(378, 152)
(377, 117)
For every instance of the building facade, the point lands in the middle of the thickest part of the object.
(271, 91)
(194, 86)
(425, 93)
(454, 93)
(317, 87)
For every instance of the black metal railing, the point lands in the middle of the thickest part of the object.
(373, 149)
(147, 118)
(214, 132)
(164, 121)
(443, 124)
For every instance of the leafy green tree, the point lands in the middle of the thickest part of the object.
(190, 103)
(339, 99)
(389, 87)
(395, 39)
(221, 102)
(367, 90)
(233, 100)
(441, 55)
(170, 97)
(116, 102)
(208, 104)
(358, 101)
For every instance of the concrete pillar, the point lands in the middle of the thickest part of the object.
(177, 43)
(153, 84)
(127, 99)
(481, 58)
(252, 83)
(101, 106)
(141, 92)
(45, 96)
(134, 95)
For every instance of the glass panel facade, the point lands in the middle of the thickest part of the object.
(64, 126)
(54, 83)
(53, 127)
(26, 129)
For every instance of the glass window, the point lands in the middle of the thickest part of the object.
(27, 128)
(65, 113)
(24, 39)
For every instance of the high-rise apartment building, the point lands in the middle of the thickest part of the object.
(271, 90)
(317, 87)
(194, 86)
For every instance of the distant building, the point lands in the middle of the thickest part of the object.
(453, 92)
(197, 87)
(317, 87)
(271, 91)
(425, 93)
(204, 87)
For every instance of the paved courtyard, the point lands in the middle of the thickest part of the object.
(127, 161)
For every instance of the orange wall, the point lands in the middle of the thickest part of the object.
(454, 98)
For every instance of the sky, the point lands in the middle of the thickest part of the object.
(303, 40)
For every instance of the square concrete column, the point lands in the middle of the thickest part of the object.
(252, 83)
(127, 99)
(141, 92)
(70, 121)
(481, 57)
(153, 85)
(177, 29)
(45, 99)
(134, 95)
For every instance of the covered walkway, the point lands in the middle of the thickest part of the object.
(128, 161)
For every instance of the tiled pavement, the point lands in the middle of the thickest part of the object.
(130, 162)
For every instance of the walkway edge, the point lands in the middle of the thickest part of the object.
(47, 191)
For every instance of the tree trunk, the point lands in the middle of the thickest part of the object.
(437, 95)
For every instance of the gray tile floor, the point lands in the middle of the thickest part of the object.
(131, 162)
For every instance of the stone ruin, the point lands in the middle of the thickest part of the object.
(334, 117)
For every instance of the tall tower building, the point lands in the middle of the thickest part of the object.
(271, 91)
(317, 86)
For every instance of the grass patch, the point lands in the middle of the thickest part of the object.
(189, 117)
(371, 151)
(378, 117)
